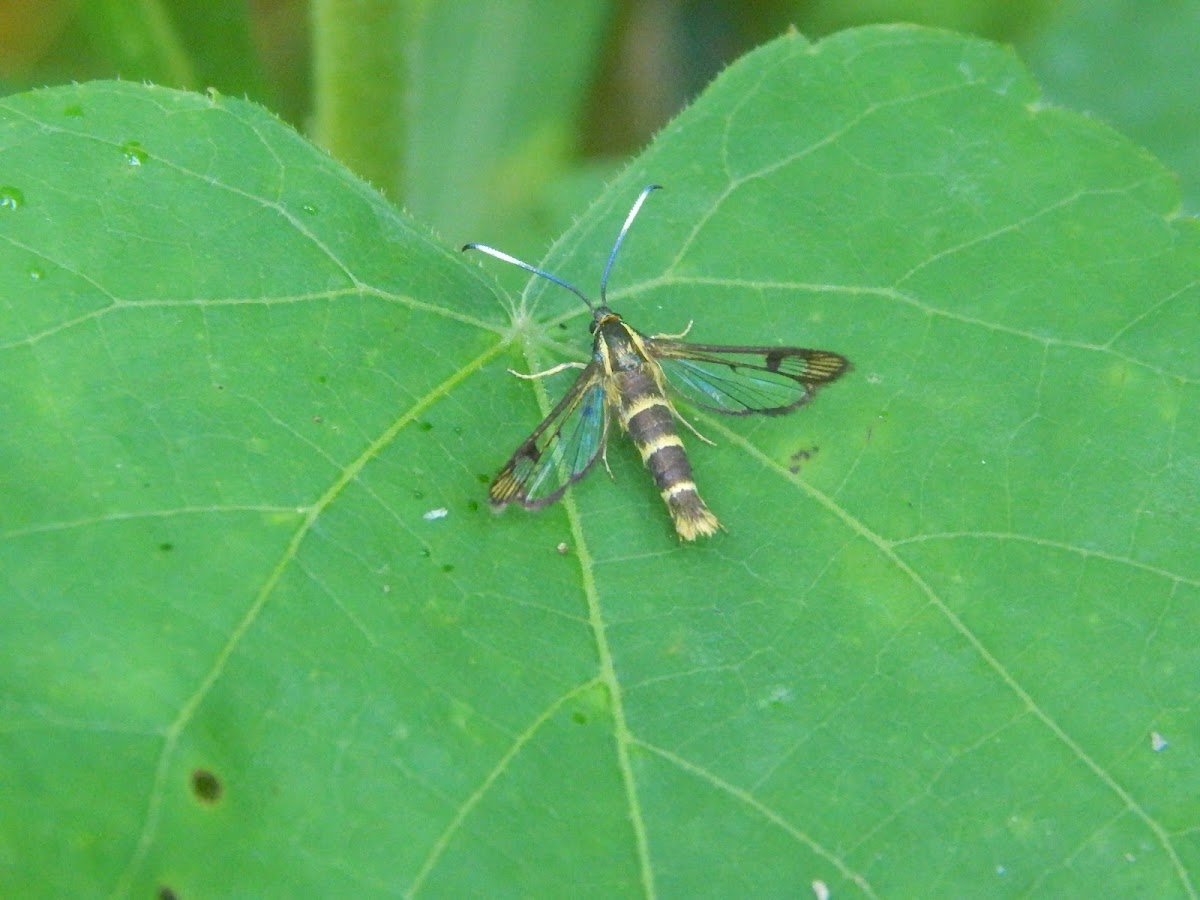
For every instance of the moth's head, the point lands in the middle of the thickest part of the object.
(602, 315)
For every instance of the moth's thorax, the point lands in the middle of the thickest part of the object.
(617, 346)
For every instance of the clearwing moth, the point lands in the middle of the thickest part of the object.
(630, 379)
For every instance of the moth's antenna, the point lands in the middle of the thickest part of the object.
(500, 254)
(637, 205)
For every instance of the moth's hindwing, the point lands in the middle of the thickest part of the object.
(560, 451)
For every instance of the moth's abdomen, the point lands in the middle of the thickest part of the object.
(646, 415)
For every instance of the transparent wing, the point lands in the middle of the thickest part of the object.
(740, 381)
(560, 451)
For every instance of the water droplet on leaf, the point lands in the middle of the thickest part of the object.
(11, 197)
(134, 153)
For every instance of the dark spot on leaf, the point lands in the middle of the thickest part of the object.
(579, 718)
(425, 553)
(473, 505)
(322, 379)
(166, 546)
(166, 893)
(800, 457)
(447, 568)
(484, 479)
(206, 786)
(219, 387)
(425, 426)
(418, 495)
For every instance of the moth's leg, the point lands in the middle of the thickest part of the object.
(673, 337)
(554, 371)
(610, 410)
(691, 427)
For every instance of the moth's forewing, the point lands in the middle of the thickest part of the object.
(560, 450)
(743, 381)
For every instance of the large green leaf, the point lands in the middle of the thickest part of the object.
(945, 646)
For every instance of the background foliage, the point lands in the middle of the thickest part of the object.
(945, 646)
(490, 111)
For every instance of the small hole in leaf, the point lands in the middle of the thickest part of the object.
(206, 786)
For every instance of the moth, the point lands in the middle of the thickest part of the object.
(630, 380)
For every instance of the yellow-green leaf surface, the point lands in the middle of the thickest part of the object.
(945, 647)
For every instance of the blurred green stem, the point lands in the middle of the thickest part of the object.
(140, 39)
(361, 83)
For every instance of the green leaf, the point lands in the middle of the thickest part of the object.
(945, 646)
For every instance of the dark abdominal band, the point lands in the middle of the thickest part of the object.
(648, 418)
(653, 430)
